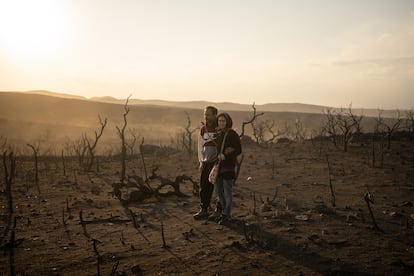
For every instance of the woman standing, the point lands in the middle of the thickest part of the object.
(227, 156)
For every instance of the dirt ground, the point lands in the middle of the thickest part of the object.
(284, 221)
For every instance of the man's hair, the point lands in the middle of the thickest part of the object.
(212, 108)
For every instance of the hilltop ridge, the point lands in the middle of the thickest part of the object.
(228, 106)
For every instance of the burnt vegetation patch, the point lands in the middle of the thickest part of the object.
(333, 200)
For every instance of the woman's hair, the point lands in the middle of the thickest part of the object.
(229, 121)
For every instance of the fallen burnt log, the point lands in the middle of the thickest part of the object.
(137, 190)
(175, 184)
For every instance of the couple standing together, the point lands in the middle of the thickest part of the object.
(217, 142)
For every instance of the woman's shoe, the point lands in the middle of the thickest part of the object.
(224, 219)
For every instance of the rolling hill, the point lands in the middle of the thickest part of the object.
(228, 106)
(59, 118)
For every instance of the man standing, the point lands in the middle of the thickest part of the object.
(207, 156)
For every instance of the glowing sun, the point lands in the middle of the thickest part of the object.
(31, 30)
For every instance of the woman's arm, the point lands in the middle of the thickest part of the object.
(232, 145)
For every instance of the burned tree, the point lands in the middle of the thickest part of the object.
(264, 133)
(79, 148)
(188, 135)
(330, 126)
(349, 124)
(259, 130)
(121, 133)
(35, 154)
(9, 174)
(389, 128)
(343, 124)
(378, 134)
(299, 131)
(141, 149)
(63, 164)
(409, 123)
(91, 146)
(318, 135)
(131, 145)
(137, 189)
(369, 200)
(331, 187)
(255, 115)
(273, 135)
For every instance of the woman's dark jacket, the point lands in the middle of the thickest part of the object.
(228, 165)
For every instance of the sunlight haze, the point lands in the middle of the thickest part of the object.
(321, 52)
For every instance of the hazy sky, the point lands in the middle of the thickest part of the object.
(327, 52)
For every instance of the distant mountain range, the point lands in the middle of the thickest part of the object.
(58, 118)
(227, 106)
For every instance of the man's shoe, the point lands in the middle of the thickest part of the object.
(202, 214)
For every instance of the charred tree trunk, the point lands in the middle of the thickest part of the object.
(333, 197)
(9, 173)
(92, 146)
(35, 153)
(121, 133)
(188, 136)
(141, 149)
(255, 115)
(63, 164)
(373, 150)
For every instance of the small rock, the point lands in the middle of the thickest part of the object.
(302, 217)
(407, 204)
